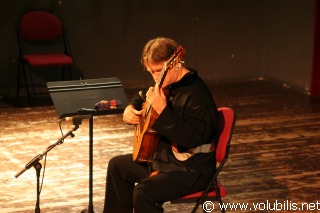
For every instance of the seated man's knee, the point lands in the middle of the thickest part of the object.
(145, 199)
(140, 194)
(115, 162)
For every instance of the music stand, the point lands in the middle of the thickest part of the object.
(72, 98)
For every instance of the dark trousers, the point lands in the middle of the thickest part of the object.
(123, 194)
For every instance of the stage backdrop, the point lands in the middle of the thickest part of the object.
(226, 40)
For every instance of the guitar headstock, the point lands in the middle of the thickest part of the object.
(176, 57)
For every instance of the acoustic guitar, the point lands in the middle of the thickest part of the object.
(145, 138)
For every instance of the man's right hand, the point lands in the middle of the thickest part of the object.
(131, 115)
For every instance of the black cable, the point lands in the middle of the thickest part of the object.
(43, 172)
(45, 157)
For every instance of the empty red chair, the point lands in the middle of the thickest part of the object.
(42, 43)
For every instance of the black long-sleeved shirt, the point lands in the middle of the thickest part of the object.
(189, 120)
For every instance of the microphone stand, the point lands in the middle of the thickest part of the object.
(37, 165)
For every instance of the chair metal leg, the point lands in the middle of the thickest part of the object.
(219, 197)
(18, 82)
(195, 208)
(26, 82)
(68, 69)
(62, 73)
(24, 76)
(70, 72)
(31, 79)
(201, 199)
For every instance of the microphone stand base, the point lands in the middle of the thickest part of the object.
(86, 211)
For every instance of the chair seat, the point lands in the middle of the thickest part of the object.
(48, 59)
(194, 196)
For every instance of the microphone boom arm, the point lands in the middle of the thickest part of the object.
(36, 159)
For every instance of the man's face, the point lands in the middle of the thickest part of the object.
(155, 70)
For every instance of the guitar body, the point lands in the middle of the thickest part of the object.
(145, 138)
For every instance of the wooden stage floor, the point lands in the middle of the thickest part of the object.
(274, 159)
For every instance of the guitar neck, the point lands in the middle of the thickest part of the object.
(162, 75)
(173, 60)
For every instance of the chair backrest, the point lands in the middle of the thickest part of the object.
(225, 129)
(40, 26)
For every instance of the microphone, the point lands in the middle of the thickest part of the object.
(78, 117)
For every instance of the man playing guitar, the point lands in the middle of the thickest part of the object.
(184, 125)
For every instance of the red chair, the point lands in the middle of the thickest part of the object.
(215, 190)
(42, 43)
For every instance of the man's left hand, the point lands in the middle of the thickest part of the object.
(157, 98)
